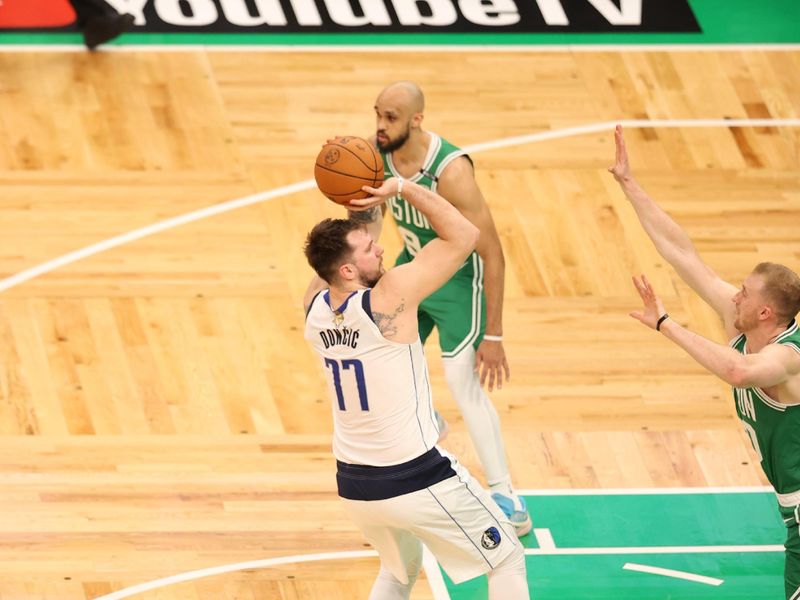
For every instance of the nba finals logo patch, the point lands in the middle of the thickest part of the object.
(490, 538)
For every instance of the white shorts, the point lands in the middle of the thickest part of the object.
(455, 518)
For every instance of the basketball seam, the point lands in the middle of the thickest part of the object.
(345, 194)
(324, 168)
(375, 168)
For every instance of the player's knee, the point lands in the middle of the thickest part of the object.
(513, 564)
(413, 567)
(388, 587)
(462, 379)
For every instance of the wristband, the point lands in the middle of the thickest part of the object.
(493, 338)
(400, 187)
(661, 319)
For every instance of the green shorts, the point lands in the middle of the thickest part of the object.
(457, 309)
(791, 572)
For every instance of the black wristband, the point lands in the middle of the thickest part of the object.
(661, 319)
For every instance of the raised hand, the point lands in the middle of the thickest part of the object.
(653, 308)
(378, 195)
(621, 169)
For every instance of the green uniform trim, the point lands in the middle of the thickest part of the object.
(774, 430)
(458, 308)
(773, 427)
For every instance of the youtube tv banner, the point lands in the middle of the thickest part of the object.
(370, 16)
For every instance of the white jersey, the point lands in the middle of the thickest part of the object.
(380, 389)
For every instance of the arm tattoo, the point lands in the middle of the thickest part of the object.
(365, 216)
(385, 322)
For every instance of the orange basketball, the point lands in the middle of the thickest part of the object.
(344, 165)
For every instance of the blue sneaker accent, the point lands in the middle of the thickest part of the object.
(520, 519)
(444, 428)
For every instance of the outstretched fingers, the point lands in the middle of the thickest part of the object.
(640, 287)
(644, 288)
(620, 167)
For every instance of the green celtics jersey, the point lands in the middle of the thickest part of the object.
(412, 224)
(773, 428)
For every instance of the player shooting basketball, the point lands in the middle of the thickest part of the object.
(397, 485)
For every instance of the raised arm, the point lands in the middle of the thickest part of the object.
(773, 365)
(439, 259)
(672, 242)
(457, 184)
(370, 216)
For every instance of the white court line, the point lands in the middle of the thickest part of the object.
(544, 539)
(405, 48)
(158, 227)
(196, 215)
(253, 564)
(434, 575)
(543, 536)
(432, 570)
(672, 573)
(654, 491)
(605, 551)
(630, 123)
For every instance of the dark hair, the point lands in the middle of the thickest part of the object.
(782, 289)
(327, 247)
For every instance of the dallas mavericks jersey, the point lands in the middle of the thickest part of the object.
(773, 428)
(413, 226)
(380, 389)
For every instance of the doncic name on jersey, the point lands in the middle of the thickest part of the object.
(339, 337)
(430, 16)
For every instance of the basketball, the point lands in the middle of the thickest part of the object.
(344, 165)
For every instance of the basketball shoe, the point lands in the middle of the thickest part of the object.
(516, 510)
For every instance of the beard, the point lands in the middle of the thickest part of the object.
(371, 279)
(744, 323)
(395, 144)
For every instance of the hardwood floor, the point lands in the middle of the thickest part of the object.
(159, 409)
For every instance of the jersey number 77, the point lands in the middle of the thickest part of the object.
(358, 371)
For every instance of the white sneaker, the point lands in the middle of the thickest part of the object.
(520, 519)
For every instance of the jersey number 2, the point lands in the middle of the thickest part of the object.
(358, 371)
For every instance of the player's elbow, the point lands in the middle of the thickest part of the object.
(736, 376)
(744, 376)
(471, 236)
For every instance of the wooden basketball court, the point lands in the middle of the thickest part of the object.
(160, 410)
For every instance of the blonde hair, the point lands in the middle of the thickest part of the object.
(782, 289)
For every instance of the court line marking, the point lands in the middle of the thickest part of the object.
(672, 573)
(405, 48)
(659, 491)
(611, 550)
(308, 184)
(242, 566)
(432, 571)
(544, 539)
(154, 228)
